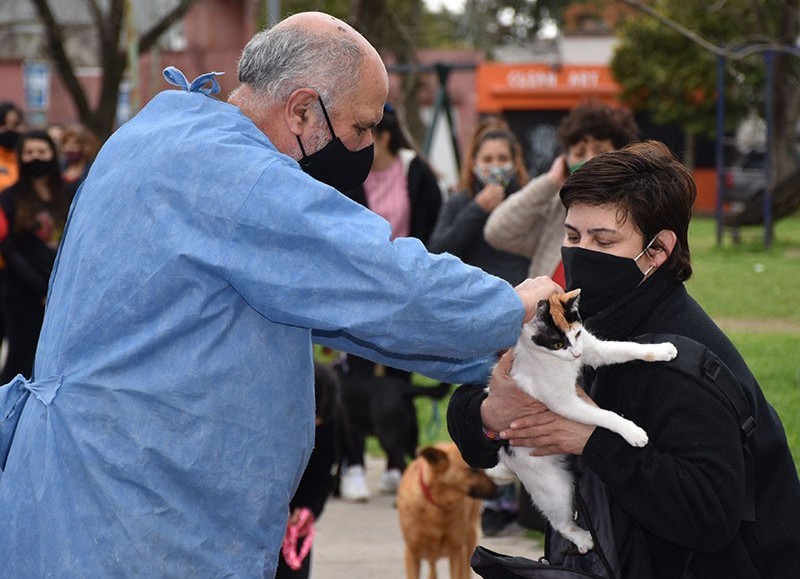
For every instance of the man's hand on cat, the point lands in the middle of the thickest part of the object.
(506, 402)
(532, 290)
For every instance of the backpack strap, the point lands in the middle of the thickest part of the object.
(701, 364)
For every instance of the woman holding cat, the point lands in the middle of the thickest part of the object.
(677, 507)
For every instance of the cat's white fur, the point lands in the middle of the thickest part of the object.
(550, 376)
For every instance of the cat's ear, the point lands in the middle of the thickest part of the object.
(542, 309)
(573, 299)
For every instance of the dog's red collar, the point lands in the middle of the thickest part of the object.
(426, 490)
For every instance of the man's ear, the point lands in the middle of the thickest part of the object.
(298, 110)
(666, 240)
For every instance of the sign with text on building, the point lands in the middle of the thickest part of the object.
(539, 86)
(36, 83)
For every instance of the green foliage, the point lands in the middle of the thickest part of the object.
(490, 23)
(675, 79)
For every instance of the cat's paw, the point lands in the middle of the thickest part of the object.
(635, 436)
(663, 352)
(582, 539)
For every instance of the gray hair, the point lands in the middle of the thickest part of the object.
(279, 60)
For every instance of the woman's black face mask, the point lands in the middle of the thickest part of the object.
(603, 278)
(336, 165)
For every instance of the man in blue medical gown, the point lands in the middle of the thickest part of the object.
(171, 411)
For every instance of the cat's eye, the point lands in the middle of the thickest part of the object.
(558, 345)
(578, 335)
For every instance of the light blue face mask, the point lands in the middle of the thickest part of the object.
(494, 174)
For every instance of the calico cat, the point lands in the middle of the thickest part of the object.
(548, 358)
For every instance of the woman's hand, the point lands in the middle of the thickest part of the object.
(549, 433)
(558, 172)
(490, 197)
(524, 421)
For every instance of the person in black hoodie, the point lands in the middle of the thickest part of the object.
(36, 211)
(677, 507)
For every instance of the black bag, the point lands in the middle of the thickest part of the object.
(695, 361)
(491, 565)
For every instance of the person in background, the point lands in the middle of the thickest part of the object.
(35, 209)
(402, 188)
(56, 132)
(317, 482)
(11, 124)
(530, 223)
(693, 502)
(493, 170)
(78, 148)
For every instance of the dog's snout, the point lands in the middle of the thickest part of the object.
(482, 486)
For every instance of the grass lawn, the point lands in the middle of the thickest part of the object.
(753, 294)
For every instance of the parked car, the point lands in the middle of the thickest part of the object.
(746, 178)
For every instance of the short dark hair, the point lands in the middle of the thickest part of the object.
(5, 108)
(398, 138)
(649, 185)
(595, 119)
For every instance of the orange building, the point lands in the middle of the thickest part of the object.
(534, 97)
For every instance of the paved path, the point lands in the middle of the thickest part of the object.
(363, 540)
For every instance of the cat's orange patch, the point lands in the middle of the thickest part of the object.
(558, 304)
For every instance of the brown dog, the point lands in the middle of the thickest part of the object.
(437, 515)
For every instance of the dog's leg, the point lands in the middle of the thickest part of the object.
(412, 565)
(459, 565)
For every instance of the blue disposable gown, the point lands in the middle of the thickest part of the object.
(172, 410)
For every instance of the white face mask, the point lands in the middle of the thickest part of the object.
(635, 259)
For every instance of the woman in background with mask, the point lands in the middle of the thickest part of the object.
(494, 169)
(693, 502)
(35, 209)
(78, 148)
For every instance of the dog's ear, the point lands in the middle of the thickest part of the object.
(434, 457)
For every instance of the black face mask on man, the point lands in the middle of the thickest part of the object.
(603, 278)
(336, 165)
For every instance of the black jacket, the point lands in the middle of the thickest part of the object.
(424, 195)
(29, 260)
(459, 231)
(678, 502)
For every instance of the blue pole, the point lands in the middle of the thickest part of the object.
(720, 139)
(769, 61)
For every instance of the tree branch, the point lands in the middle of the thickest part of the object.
(55, 46)
(149, 38)
(97, 16)
(729, 53)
